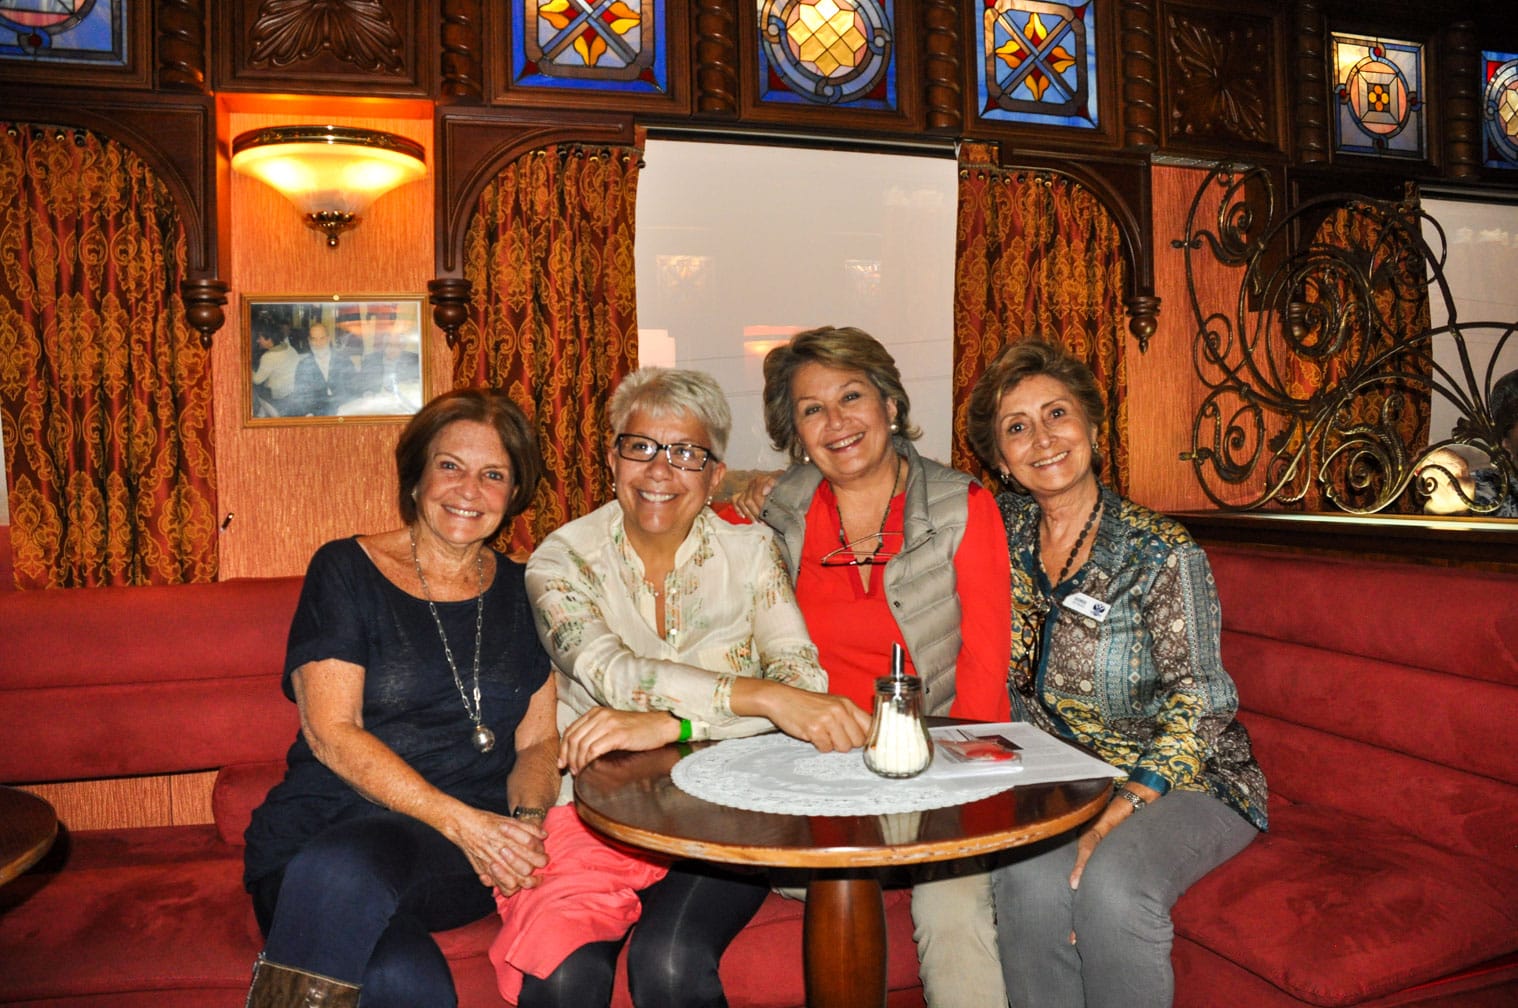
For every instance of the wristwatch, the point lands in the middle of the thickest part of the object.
(1130, 798)
(529, 812)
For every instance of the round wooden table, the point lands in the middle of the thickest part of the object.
(28, 827)
(630, 797)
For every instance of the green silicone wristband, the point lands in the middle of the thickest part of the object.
(685, 730)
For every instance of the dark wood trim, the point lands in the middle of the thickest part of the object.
(175, 136)
(462, 40)
(1459, 542)
(182, 50)
(1140, 74)
(1313, 134)
(473, 145)
(1459, 77)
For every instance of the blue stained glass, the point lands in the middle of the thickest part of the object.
(1379, 87)
(594, 45)
(1499, 109)
(828, 52)
(87, 32)
(1036, 63)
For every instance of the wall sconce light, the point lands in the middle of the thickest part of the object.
(330, 173)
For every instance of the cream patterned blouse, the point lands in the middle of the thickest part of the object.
(729, 612)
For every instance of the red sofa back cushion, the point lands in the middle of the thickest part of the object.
(105, 682)
(1401, 678)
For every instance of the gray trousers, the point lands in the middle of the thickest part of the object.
(1121, 912)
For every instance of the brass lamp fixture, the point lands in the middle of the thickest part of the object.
(330, 173)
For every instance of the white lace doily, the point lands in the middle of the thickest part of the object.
(776, 773)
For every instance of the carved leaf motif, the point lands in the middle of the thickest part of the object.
(359, 32)
(1221, 81)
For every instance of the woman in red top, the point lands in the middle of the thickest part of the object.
(887, 547)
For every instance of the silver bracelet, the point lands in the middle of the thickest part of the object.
(1130, 798)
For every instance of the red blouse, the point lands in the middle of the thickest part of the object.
(853, 627)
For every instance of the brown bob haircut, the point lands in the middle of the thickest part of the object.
(1015, 363)
(843, 347)
(481, 405)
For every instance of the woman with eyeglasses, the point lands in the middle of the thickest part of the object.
(886, 547)
(1115, 646)
(664, 624)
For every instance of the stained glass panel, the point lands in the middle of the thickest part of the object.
(80, 32)
(1379, 87)
(828, 52)
(1036, 63)
(1499, 112)
(604, 45)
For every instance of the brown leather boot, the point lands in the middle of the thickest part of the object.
(276, 986)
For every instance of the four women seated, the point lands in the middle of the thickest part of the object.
(426, 781)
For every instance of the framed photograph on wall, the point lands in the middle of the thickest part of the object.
(332, 358)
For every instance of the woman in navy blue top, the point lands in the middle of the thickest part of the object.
(427, 754)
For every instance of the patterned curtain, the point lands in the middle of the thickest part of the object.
(550, 255)
(1394, 412)
(1038, 256)
(105, 391)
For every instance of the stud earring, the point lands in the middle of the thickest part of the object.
(893, 427)
(806, 458)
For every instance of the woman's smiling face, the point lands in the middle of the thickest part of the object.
(1042, 437)
(660, 501)
(843, 421)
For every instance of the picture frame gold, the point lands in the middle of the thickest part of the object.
(332, 359)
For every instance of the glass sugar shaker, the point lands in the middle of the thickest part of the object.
(899, 744)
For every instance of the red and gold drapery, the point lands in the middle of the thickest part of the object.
(105, 391)
(1037, 256)
(553, 320)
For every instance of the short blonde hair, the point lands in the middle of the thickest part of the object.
(664, 392)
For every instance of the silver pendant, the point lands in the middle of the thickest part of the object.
(483, 738)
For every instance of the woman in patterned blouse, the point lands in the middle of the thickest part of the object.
(666, 623)
(1115, 645)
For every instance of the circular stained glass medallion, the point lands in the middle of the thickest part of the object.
(35, 24)
(829, 52)
(1500, 114)
(1378, 96)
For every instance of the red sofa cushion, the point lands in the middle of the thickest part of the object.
(239, 789)
(1336, 910)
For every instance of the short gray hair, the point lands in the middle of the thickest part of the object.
(666, 392)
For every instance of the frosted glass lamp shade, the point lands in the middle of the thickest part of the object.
(331, 173)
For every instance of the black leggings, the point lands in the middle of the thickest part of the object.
(689, 918)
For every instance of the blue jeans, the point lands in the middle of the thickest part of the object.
(1121, 912)
(359, 904)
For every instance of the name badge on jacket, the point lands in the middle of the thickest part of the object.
(1087, 606)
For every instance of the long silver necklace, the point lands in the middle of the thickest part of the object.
(483, 738)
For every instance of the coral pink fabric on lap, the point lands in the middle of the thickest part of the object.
(587, 893)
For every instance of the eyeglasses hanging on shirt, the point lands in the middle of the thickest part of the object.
(871, 551)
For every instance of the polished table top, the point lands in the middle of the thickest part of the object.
(28, 827)
(630, 797)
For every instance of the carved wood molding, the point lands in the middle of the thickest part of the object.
(182, 44)
(472, 146)
(1460, 74)
(177, 139)
(463, 38)
(1140, 74)
(1219, 71)
(716, 57)
(1310, 113)
(1122, 186)
(943, 65)
(374, 47)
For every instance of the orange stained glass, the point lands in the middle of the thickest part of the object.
(826, 35)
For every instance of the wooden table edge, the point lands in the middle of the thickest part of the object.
(881, 856)
(30, 855)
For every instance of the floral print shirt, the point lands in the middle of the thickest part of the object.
(729, 611)
(1143, 687)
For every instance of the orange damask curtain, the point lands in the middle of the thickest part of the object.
(105, 391)
(553, 321)
(1038, 256)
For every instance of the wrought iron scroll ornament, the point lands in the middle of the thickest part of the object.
(1313, 373)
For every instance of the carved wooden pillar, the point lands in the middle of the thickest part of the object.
(202, 306)
(1140, 76)
(462, 44)
(1460, 76)
(181, 44)
(450, 305)
(716, 50)
(1310, 116)
(943, 96)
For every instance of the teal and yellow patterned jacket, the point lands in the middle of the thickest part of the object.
(1144, 687)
